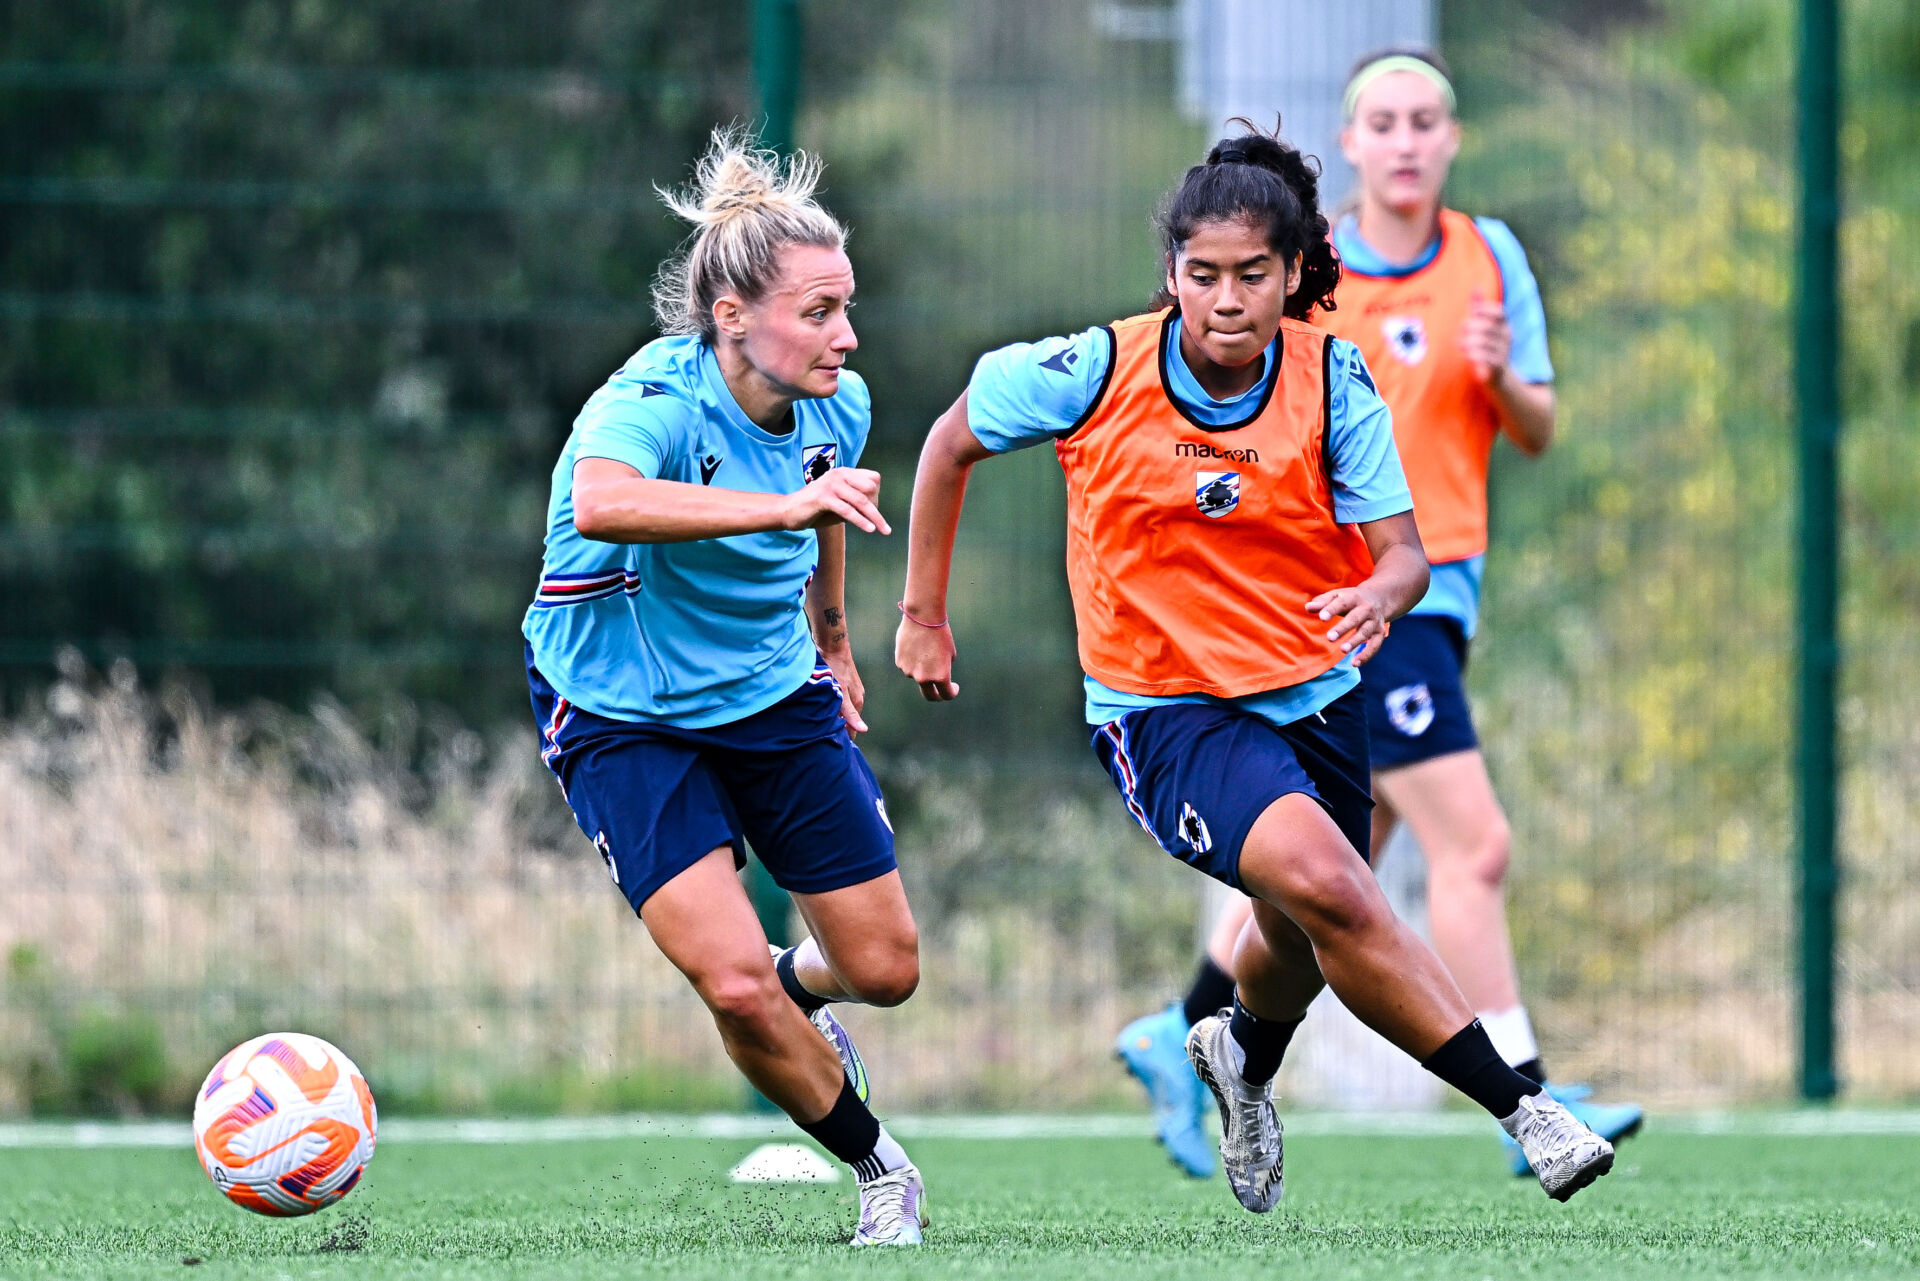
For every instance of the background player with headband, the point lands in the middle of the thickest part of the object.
(1238, 536)
(688, 658)
(1448, 315)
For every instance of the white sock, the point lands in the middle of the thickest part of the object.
(1512, 1034)
(890, 1155)
(807, 957)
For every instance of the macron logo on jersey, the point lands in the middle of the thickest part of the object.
(1363, 376)
(708, 466)
(1061, 362)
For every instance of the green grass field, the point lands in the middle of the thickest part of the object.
(1105, 1209)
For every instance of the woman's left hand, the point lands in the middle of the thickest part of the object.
(1485, 339)
(853, 695)
(1363, 619)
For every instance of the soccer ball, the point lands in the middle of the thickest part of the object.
(284, 1124)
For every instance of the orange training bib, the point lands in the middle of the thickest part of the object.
(1192, 550)
(1444, 423)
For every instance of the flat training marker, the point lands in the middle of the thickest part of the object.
(784, 1163)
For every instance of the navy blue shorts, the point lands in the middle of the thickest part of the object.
(1197, 775)
(1416, 703)
(655, 799)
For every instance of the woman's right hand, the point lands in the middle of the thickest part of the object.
(844, 494)
(925, 654)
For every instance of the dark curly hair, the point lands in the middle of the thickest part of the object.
(1261, 179)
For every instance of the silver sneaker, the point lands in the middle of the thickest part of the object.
(842, 1043)
(1564, 1154)
(893, 1209)
(1249, 1129)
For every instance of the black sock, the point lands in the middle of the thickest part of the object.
(1263, 1041)
(1212, 991)
(1532, 1070)
(1471, 1065)
(806, 1000)
(850, 1132)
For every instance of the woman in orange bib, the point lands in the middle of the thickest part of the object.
(1448, 315)
(1238, 536)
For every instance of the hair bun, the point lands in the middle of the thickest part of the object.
(745, 204)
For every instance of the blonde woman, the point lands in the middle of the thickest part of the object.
(688, 658)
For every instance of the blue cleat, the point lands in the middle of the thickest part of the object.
(1611, 1121)
(1154, 1049)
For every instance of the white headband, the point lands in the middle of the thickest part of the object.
(1387, 66)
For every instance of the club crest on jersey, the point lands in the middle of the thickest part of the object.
(1216, 493)
(1410, 708)
(816, 461)
(1406, 338)
(1193, 829)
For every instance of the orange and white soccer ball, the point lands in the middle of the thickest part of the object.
(284, 1124)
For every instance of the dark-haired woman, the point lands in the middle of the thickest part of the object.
(1446, 311)
(687, 652)
(1239, 536)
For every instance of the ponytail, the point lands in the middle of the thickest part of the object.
(1259, 178)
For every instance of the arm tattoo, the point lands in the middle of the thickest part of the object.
(833, 616)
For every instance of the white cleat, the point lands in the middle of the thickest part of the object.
(893, 1209)
(1564, 1153)
(1249, 1129)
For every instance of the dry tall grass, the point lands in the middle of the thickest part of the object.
(429, 906)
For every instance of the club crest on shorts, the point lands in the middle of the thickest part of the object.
(606, 852)
(1406, 338)
(1216, 493)
(1410, 708)
(816, 461)
(1193, 829)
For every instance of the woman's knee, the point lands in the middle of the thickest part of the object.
(1330, 889)
(886, 974)
(746, 1004)
(1482, 859)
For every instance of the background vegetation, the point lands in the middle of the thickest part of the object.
(297, 300)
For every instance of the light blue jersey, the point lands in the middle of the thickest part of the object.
(1027, 393)
(1455, 588)
(696, 633)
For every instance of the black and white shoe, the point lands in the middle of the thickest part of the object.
(1250, 1135)
(1565, 1155)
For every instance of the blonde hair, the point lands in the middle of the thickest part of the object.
(746, 204)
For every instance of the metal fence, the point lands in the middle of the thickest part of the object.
(291, 327)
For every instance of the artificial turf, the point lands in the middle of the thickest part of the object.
(1090, 1210)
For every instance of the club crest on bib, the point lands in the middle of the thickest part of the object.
(1410, 708)
(1406, 338)
(1216, 493)
(816, 461)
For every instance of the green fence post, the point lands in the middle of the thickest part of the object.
(776, 68)
(1816, 382)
